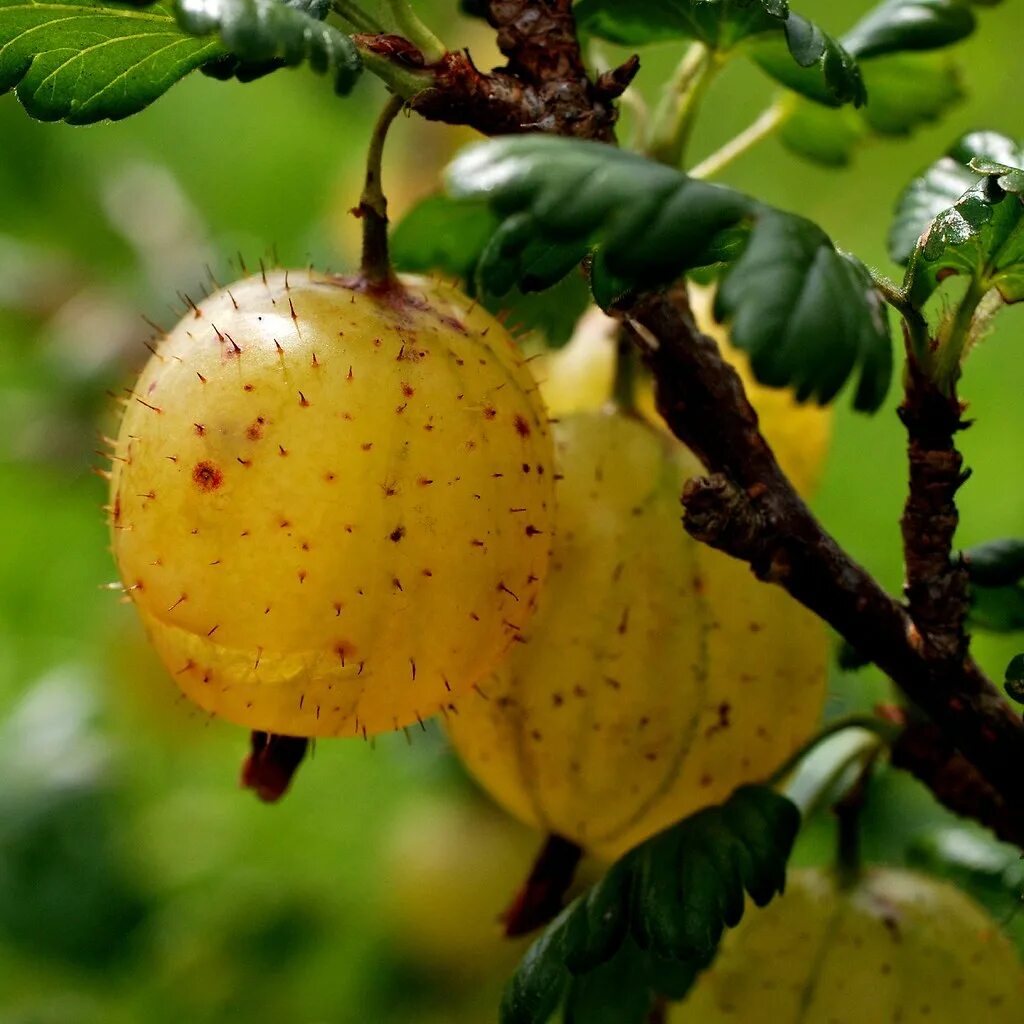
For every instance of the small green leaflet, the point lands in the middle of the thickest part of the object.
(940, 186)
(965, 215)
(896, 26)
(790, 48)
(808, 315)
(442, 234)
(718, 23)
(1014, 679)
(996, 563)
(996, 571)
(658, 916)
(260, 33)
(905, 92)
(82, 61)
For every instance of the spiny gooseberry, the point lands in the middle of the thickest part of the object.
(332, 506)
(895, 946)
(657, 675)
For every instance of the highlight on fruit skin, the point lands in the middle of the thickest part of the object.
(658, 674)
(332, 507)
(896, 946)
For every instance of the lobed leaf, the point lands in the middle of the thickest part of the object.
(264, 34)
(440, 234)
(941, 186)
(996, 563)
(86, 60)
(896, 26)
(808, 315)
(658, 916)
(980, 234)
(718, 23)
(83, 61)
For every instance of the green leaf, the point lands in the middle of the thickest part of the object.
(808, 315)
(718, 23)
(82, 61)
(790, 290)
(442, 234)
(1014, 679)
(439, 233)
(905, 92)
(811, 62)
(263, 34)
(997, 609)
(997, 563)
(981, 236)
(942, 185)
(657, 916)
(899, 25)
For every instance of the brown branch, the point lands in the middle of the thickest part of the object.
(923, 750)
(749, 509)
(544, 87)
(936, 588)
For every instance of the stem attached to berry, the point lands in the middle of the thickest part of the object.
(373, 204)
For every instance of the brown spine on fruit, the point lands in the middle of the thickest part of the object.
(270, 767)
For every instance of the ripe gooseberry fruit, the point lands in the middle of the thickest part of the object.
(332, 506)
(658, 674)
(896, 946)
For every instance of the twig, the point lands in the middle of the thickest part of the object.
(936, 588)
(544, 86)
(749, 509)
(768, 121)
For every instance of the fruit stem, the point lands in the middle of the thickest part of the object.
(848, 821)
(373, 204)
(624, 388)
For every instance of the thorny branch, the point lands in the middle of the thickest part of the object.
(748, 509)
(746, 506)
(544, 87)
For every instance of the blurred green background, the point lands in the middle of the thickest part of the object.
(137, 883)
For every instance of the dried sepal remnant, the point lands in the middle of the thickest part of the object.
(894, 946)
(657, 675)
(297, 531)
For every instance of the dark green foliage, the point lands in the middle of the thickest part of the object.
(997, 563)
(965, 215)
(263, 34)
(808, 315)
(441, 234)
(714, 22)
(899, 25)
(1014, 679)
(996, 570)
(942, 185)
(86, 60)
(658, 916)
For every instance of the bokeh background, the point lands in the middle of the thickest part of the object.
(137, 883)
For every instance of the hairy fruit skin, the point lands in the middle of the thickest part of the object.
(896, 946)
(331, 507)
(658, 674)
